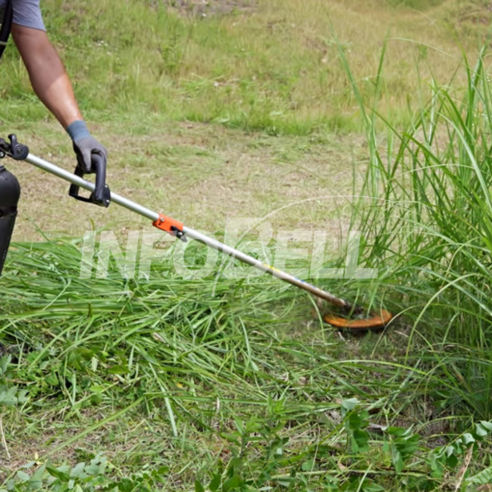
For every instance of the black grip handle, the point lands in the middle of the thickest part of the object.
(101, 195)
(13, 149)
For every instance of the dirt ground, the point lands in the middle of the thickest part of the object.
(197, 173)
(211, 7)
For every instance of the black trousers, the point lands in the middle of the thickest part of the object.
(9, 198)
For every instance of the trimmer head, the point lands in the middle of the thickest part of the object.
(376, 321)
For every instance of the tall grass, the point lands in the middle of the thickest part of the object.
(428, 226)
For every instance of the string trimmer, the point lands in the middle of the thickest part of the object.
(351, 317)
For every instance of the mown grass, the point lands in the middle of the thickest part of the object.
(219, 384)
(273, 67)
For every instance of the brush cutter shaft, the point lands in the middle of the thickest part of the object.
(190, 233)
(286, 277)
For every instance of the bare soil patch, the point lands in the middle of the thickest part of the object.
(211, 7)
(200, 174)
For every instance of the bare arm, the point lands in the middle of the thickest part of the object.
(52, 85)
(47, 73)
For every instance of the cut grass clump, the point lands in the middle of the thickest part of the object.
(240, 374)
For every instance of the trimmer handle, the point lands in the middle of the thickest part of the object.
(13, 149)
(101, 195)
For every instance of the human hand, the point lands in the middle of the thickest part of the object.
(85, 146)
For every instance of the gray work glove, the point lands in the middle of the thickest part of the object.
(85, 146)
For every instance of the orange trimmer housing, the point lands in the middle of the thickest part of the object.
(375, 322)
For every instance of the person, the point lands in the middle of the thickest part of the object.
(49, 79)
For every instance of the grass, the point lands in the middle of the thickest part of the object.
(432, 218)
(416, 4)
(233, 70)
(224, 384)
(155, 373)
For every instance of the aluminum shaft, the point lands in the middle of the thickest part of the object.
(190, 233)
